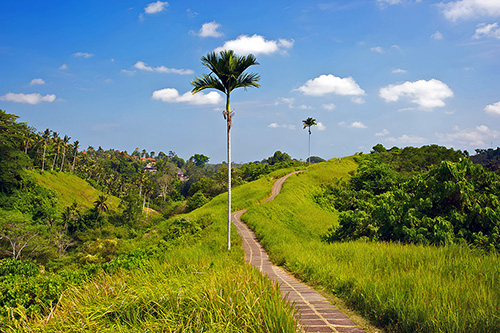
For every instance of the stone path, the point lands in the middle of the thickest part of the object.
(316, 313)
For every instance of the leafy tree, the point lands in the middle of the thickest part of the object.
(227, 73)
(12, 159)
(100, 205)
(378, 148)
(199, 159)
(307, 124)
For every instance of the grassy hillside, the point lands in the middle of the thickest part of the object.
(405, 288)
(71, 188)
(192, 285)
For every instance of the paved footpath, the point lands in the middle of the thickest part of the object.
(316, 313)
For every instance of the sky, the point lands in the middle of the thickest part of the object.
(117, 73)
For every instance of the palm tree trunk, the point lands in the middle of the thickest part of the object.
(228, 110)
(73, 165)
(43, 160)
(309, 148)
(62, 163)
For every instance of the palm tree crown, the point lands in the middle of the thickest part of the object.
(227, 73)
(307, 124)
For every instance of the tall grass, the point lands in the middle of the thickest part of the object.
(196, 285)
(405, 288)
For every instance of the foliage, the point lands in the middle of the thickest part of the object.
(488, 158)
(449, 203)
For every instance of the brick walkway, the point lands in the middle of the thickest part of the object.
(316, 313)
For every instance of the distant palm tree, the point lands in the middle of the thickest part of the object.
(76, 145)
(65, 144)
(227, 73)
(57, 141)
(100, 205)
(307, 124)
(46, 136)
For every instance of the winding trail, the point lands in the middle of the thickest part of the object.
(316, 313)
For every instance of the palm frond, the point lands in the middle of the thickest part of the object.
(207, 81)
(247, 80)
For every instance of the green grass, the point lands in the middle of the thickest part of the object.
(71, 188)
(404, 288)
(196, 285)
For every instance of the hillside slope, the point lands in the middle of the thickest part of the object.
(71, 188)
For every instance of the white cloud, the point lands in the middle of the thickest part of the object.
(437, 36)
(287, 126)
(255, 45)
(399, 70)
(377, 49)
(474, 137)
(37, 81)
(384, 3)
(82, 54)
(28, 98)
(487, 30)
(210, 30)
(358, 124)
(330, 84)
(407, 139)
(129, 72)
(358, 100)
(171, 95)
(162, 69)
(155, 7)
(63, 67)
(291, 103)
(470, 9)
(384, 132)
(320, 126)
(426, 94)
(493, 108)
(329, 106)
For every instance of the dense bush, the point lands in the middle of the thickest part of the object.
(449, 203)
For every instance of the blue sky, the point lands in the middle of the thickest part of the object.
(116, 74)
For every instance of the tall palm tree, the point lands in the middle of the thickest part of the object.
(57, 142)
(65, 144)
(307, 124)
(46, 136)
(227, 73)
(76, 145)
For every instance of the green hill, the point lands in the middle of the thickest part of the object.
(71, 188)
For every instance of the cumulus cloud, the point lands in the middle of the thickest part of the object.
(487, 30)
(276, 125)
(291, 103)
(470, 9)
(155, 7)
(329, 106)
(437, 36)
(210, 30)
(399, 70)
(493, 108)
(82, 54)
(358, 100)
(358, 124)
(37, 81)
(330, 84)
(171, 95)
(162, 69)
(407, 139)
(473, 137)
(320, 126)
(63, 67)
(426, 94)
(383, 132)
(255, 45)
(377, 49)
(28, 98)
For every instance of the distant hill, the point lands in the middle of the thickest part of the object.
(488, 158)
(71, 188)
